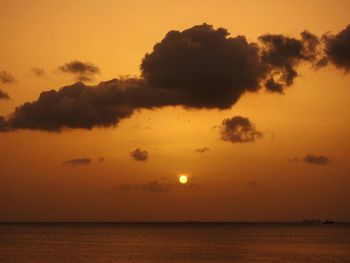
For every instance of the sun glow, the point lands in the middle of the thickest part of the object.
(183, 179)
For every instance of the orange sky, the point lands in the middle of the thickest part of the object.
(230, 182)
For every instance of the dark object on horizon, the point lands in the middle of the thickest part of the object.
(313, 221)
(328, 222)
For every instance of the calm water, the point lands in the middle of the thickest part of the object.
(185, 243)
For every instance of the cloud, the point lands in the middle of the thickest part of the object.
(239, 130)
(317, 159)
(202, 150)
(153, 187)
(83, 71)
(204, 66)
(74, 106)
(337, 49)
(6, 78)
(4, 95)
(38, 72)
(101, 159)
(200, 67)
(78, 162)
(281, 55)
(79, 106)
(139, 155)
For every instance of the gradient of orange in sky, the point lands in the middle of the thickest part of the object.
(253, 181)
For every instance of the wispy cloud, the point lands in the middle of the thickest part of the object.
(83, 71)
(6, 78)
(38, 72)
(202, 150)
(139, 155)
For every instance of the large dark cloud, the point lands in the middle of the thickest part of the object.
(83, 71)
(6, 77)
(281, 55)
(85, 107)
(200, 67)
(205, 66)
(239, 130)
(4, 95)
(337, 48)
(317, 159)
(78, 162)
(75, 106)
(139, 155)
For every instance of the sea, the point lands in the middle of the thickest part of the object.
(186, 242)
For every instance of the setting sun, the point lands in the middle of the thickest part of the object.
(183, 179)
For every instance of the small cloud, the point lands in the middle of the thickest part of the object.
(4, 95)
(202, 150)
(38, 72)
(317, 159)
(83, 71)
(239, 130)
(139, 155)
(78, 162)
(6, 78)
(101, 159)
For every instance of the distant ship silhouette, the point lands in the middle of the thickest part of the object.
(317, 222)
(328, 222)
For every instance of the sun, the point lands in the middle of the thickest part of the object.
(183, 179)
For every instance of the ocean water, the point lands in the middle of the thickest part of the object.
(174, 242)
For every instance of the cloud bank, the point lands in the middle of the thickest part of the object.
(200, 68)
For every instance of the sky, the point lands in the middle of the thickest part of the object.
(104, 104)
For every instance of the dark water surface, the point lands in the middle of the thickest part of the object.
(174, 242)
